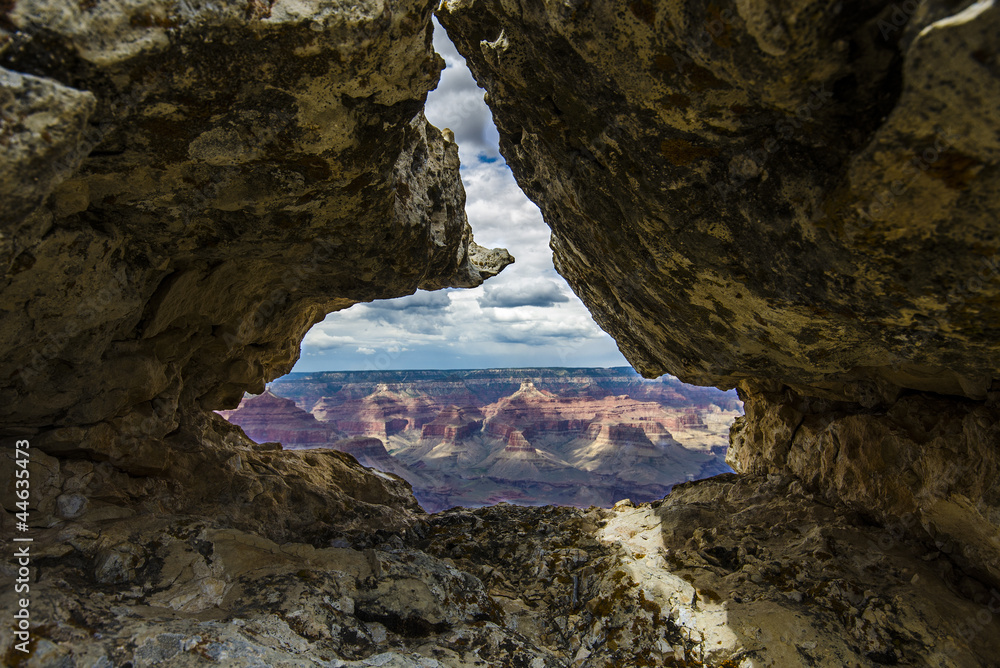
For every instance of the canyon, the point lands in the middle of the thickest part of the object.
(577, 437)
(795, 200)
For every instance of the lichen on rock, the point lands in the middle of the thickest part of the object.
(714, 180)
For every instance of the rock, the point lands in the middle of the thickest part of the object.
(795, 193)
(187, 189)
(270, 418)
(205, 183)
(923, 466)
(215, 593)
(799, 200)
(43, 124)
(667, 580)
(647, 583)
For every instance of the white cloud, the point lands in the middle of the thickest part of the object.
(522, 293)
(457, 103)
(320, 340)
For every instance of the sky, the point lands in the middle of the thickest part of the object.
(525, 317)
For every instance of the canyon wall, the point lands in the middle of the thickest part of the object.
(476, 437)
(798, 200)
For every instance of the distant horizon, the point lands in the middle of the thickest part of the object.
(625, 368)
(478, 368)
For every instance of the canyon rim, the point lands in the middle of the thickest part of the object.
(795, 199)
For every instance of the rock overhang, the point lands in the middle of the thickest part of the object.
(798, 200)
(189, 188)
(798, 195)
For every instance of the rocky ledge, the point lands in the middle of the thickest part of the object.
(725, 572)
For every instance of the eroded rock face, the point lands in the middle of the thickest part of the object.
(193, 186)
(187, 189)
(803, 193)
(927, 464)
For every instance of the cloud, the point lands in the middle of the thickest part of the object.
(320, 340)
(535, 293)
(421, 300)
(539, 332)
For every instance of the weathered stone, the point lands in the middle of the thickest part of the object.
(803, 193)
(203, 183)
(188, 187)
(926, 465)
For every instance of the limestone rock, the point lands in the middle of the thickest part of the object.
(728, 571)
(924, 465)
(723, 572)
(181, 591)
(797, 198)
(801, 192)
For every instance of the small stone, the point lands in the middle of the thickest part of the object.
(71, 505)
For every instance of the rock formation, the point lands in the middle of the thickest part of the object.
(798, 200)
(187, 189)
(268, 418)
(723, 572)
(575, 443)
(379, 414)
(206, 183)
(453, 424)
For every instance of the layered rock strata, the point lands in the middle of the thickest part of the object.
(268, 418)
(534, 446)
